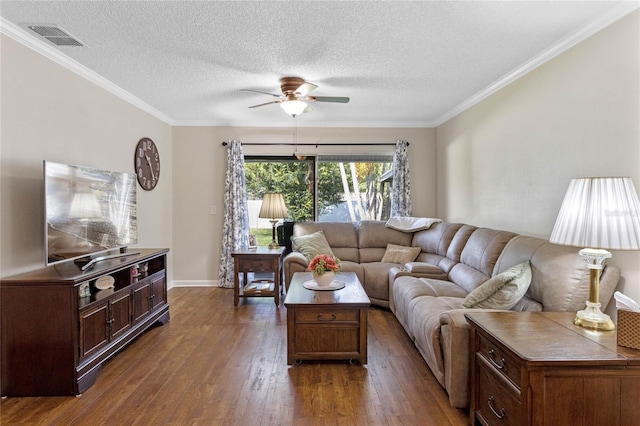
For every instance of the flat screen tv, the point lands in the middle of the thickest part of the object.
(88, 211)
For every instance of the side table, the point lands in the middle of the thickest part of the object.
(255, 262)
(538, 368)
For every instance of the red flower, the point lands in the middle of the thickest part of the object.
(323, 263)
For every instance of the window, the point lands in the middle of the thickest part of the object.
(347, 189)
(293, 178)
(353, 188)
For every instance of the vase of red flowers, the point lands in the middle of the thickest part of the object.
(324, 269)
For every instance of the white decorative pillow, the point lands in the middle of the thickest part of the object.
(503, 291)
(312, 245)
(410, 224)
(400, 254)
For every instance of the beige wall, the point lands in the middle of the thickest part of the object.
(506, 162)
(51, 113)
(199, 167)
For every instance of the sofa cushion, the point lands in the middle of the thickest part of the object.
(341, 236)
(376, 282)
(503, 291)
(400, 254)
(437, 239)
(478, 257)
(411, 224)
(458, 241)
(483, 248)
(312, 245)
(373, 238)
(404, 289)
(527, 305)
(560, 277)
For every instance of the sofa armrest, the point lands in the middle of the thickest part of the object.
(418, 270)
(296, 257)
(456, 352)
(455, 318)
(293, 262)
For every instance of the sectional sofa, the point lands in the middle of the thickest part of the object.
(453, 264)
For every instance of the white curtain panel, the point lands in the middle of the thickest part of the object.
(235, 230)
(401, 186)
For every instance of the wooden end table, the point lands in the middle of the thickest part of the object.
(538, 368)
(326, 324)
(258, 260)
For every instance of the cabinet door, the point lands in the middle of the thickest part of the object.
(120, 321)
(158, 291)
(94, 329)
(141, 300)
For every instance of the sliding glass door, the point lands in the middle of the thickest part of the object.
(353, 188)
(348, 188)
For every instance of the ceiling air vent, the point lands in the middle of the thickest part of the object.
(55, 35)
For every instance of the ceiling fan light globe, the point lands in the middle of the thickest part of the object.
(293, 108)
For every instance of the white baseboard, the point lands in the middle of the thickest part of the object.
(192, 283)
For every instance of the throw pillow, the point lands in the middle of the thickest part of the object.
(400, 254)
(410, 224)
(502, 291)
(312, 245)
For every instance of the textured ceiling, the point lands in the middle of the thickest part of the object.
(401, 63)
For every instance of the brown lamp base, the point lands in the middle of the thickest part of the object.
(273, 245)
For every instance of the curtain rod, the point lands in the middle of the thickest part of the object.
(316, 144)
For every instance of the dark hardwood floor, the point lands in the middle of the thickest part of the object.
(214, 364)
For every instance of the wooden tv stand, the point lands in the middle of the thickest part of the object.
(54, 342)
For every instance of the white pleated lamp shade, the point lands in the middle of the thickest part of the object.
(273, 207)
(600, 213)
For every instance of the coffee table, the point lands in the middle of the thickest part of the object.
(326, 324)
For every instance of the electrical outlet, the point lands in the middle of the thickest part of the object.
(214, 209)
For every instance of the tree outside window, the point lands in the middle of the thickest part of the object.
(348, 188)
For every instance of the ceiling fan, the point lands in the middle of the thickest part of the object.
(295, 96)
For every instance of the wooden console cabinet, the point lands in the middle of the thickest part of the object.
(538, 368)
(54, 340)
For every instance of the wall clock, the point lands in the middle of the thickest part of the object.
(147, 164)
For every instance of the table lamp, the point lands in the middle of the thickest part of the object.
(600, 214)
(273, 208)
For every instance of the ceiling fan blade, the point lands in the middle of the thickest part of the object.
(266, 103)
(339, 99)
(305, 88)
(307, 109)
(259, 91)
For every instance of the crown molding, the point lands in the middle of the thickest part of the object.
(21, 36)
(614, 14)
(287, 124)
